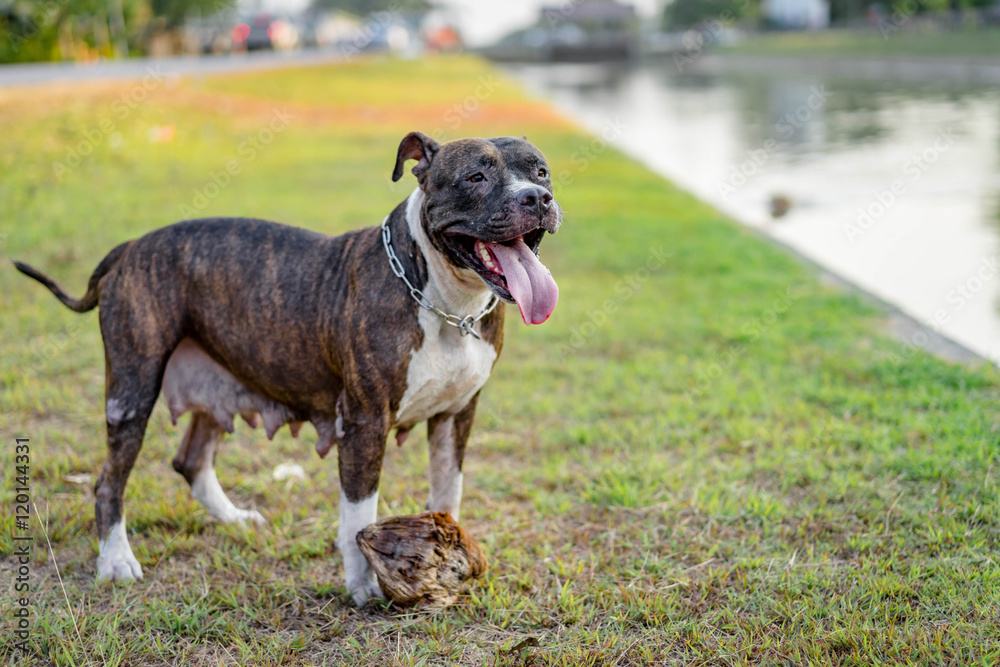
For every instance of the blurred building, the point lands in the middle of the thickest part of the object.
(589, 30)
(252, 27)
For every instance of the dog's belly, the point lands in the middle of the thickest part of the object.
(194, 381)
(445, 372)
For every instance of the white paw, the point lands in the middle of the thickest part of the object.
(253, 516)
(365, 590)
(115, 561)
(358, 575)
(206, 490)
(123, 568)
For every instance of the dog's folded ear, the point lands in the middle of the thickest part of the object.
(415, 146)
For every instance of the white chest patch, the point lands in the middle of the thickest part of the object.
(448, 368)
(444, 373)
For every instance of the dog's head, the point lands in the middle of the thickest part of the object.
(487, 205)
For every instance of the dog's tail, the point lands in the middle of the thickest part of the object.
(89, 300)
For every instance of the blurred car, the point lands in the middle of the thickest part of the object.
(327, 29)
(377, 35)
(264, 30)
(445, 39)
(209, 35)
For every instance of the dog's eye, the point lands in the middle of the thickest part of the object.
(542, 173)
(476, 178)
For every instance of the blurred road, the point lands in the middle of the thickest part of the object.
(134, 68)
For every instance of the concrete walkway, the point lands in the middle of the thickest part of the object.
(134, 68)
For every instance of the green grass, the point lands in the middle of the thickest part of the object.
(705, 457)
(888, 43)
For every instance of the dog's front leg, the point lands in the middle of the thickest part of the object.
(447, 435)
(360, 460)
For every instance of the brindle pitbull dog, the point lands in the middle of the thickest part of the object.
(238, 316)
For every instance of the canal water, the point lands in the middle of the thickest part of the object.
(894, 186)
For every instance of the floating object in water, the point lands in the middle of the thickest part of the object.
(779, 205)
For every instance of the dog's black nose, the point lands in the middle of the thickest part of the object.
(536, 199)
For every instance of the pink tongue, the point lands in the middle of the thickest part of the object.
(529, 282)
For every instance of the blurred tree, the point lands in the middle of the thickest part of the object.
(175, 11)
(363, 7)
(32, 30)
(686, 13)
(842, 11)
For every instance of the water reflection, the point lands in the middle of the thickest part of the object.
(895, 185)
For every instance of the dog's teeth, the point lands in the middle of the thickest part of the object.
(484, 254)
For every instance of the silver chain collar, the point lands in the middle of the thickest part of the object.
(464, 324)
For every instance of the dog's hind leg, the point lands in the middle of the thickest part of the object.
(140, 331)
(195, 461)
(132, 387)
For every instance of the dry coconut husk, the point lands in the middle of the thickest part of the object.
(421, 559)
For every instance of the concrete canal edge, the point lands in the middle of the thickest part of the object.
(906, 328)
(908, 68)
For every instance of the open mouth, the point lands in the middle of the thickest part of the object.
(512, 270)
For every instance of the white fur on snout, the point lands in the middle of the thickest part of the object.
(358, 574)
(516, 186)
(207, 491)
(115, 560)
(446, 478)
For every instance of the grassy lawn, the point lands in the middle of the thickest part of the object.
(705, 457)
(889, 43)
